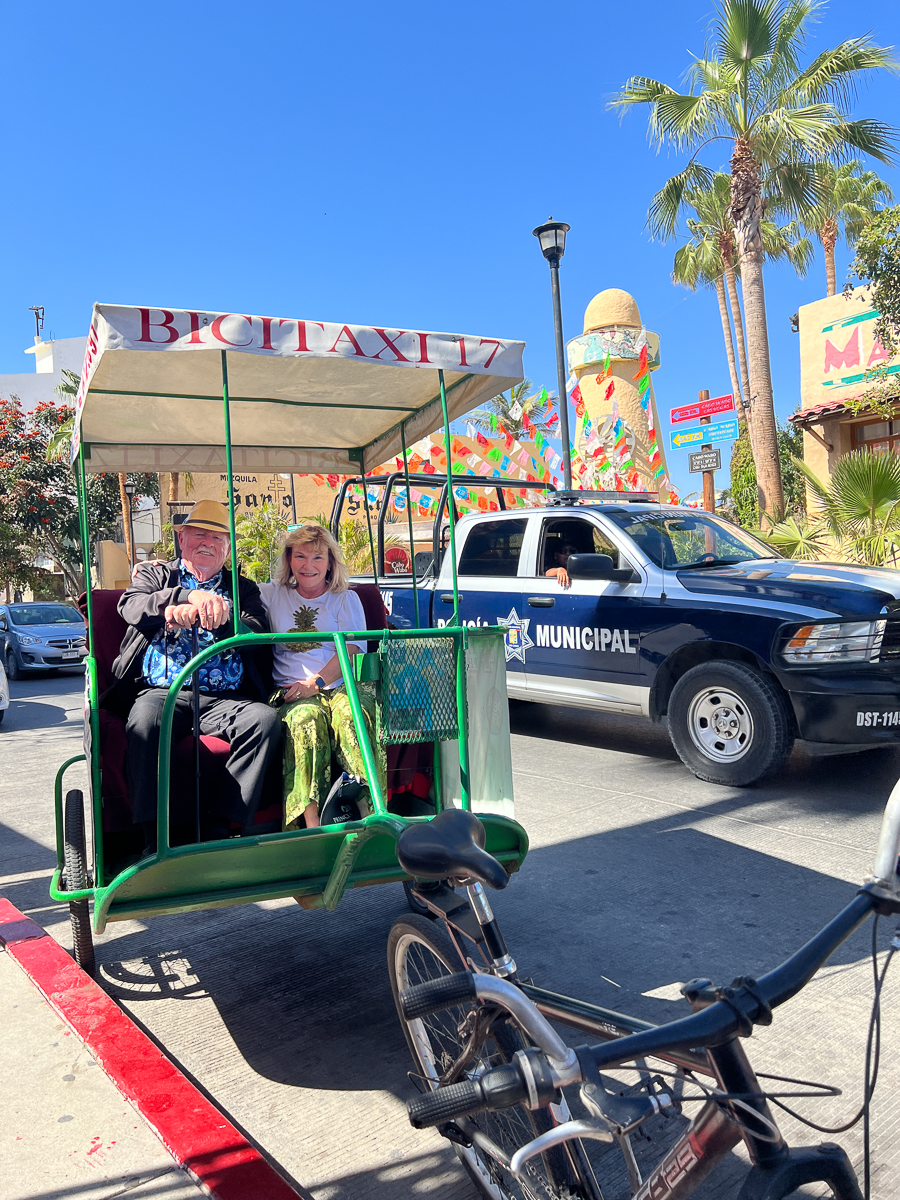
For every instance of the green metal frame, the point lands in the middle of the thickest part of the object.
(168, 881)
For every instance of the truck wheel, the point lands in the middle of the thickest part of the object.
(729, 723)
(77, 879)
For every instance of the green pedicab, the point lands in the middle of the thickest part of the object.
(166, 390)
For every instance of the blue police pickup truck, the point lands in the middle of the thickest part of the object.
(674, 613)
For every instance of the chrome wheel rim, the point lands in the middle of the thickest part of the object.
(720, 724)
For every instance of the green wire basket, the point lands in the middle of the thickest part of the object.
(418, 691)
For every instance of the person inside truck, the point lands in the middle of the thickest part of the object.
(560, 557)
(309, 594)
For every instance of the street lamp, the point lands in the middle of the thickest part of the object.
(130, 490)
(552, 238)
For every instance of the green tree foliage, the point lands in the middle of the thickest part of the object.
(877, 261)
(540, 408)
(750, 89)
(39, 498)
(860, 509)
(847, 200)
(17, 569)
(744, 491)
(260, 536)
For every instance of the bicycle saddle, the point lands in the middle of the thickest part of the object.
(449, 846)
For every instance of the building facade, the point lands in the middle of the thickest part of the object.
(838, 352)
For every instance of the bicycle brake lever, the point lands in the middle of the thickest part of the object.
(588, 1127)
(622, 1113)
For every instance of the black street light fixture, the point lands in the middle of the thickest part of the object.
(552, 237)
(130, 490)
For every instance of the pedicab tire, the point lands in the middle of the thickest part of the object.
(77, 878)
(420, 950)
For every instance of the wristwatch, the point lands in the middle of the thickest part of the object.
(319, 682)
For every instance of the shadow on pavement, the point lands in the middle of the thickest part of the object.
(812, 780)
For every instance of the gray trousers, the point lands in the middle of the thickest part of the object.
(253, 730)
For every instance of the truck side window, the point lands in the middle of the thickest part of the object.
(493, 549)
(582, 537)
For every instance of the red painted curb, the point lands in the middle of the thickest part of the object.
(193, 1130)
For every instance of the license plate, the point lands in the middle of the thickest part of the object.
(71, 654)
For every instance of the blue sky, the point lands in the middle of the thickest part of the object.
(364, 163)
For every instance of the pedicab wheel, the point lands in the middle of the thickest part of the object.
(77, 878)
(418, 951)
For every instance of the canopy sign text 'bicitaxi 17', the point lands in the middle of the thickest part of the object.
(151, 389)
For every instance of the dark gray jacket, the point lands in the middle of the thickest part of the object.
(143, 605)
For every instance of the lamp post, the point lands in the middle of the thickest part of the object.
(552, 238)
(130, 490)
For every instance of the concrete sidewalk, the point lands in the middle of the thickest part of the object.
(67, 1131)
(96, 1108)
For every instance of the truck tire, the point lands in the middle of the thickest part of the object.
(729, 723)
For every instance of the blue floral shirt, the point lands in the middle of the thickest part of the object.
(168, 652)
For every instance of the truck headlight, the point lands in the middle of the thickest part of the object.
(849, 641)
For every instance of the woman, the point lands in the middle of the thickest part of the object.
(310, 594)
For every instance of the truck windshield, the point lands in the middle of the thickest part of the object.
(683, 540)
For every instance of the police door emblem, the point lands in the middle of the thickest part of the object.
(517, 640)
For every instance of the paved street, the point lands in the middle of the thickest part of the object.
(639, 878)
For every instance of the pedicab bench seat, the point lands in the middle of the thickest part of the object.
(408, 773)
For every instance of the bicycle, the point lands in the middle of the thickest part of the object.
(498, 1080)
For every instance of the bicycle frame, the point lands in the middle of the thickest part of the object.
(712, 1134)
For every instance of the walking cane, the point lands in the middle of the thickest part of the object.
(195, 686)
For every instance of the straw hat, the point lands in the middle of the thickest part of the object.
(208, 514)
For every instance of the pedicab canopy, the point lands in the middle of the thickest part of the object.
(304, 396)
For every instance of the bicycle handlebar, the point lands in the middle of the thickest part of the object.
(733, 1011)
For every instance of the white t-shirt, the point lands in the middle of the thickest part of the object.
(333, 611)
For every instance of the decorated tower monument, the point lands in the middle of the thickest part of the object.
(610, 365)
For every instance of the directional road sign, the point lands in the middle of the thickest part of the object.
(721, 431)
(703, 408)
(705, 460)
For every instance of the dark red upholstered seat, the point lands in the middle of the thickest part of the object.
(409, 767)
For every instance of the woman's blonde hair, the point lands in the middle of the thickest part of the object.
(316, 537)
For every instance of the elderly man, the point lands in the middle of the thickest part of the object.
(163, 603)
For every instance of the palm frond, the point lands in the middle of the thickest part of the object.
(834, 74)
(662, 216)
(745, 32)
(875, 138)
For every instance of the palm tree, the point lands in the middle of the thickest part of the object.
(709, 258)
(860, 508)
(848, 199)
(750, 90)
(799, 538)
(539, 409)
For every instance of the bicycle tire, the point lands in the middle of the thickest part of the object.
(418, 950)
(77, 879)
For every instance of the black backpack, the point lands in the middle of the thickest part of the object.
(342, 802)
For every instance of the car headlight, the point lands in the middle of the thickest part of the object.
(849, 641)
(28, 639)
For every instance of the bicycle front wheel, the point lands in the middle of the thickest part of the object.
(419, 951)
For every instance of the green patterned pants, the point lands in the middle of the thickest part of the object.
(318, 728)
